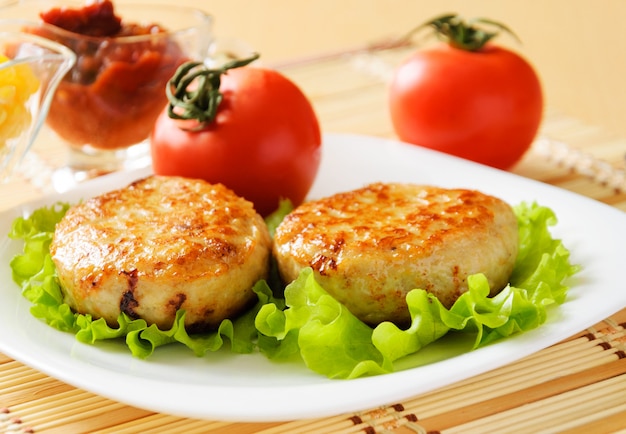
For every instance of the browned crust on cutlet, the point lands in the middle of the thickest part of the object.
(369, 247)
(159, 245)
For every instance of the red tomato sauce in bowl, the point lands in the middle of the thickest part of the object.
(116, 90)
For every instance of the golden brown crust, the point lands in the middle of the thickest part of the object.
(158, 245)
(369, 247)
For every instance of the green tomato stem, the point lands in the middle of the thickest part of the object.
(201, 101)
(468, 36)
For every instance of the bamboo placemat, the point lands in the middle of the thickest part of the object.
(575, 386)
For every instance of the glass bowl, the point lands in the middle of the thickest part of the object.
(106, 105)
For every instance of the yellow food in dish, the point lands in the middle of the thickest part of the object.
(17, 84)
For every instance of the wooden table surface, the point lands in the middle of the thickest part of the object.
(574, 386)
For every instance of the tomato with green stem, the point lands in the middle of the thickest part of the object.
(249, 128)
(467, 97)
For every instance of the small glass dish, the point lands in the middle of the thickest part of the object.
(31, 68)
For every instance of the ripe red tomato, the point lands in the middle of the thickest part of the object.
(264, 142)
(484, 105)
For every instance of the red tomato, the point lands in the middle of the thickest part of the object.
(483, 105)
(264, 143)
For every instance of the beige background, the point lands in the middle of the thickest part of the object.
(577, 46)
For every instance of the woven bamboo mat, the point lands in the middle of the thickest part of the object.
(575, 386)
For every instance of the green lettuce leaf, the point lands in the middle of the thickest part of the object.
(333, 342)
(329, 338)
(273, 220)
(35, 272)
(305, 321)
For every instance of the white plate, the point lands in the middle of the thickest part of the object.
(251, 388)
